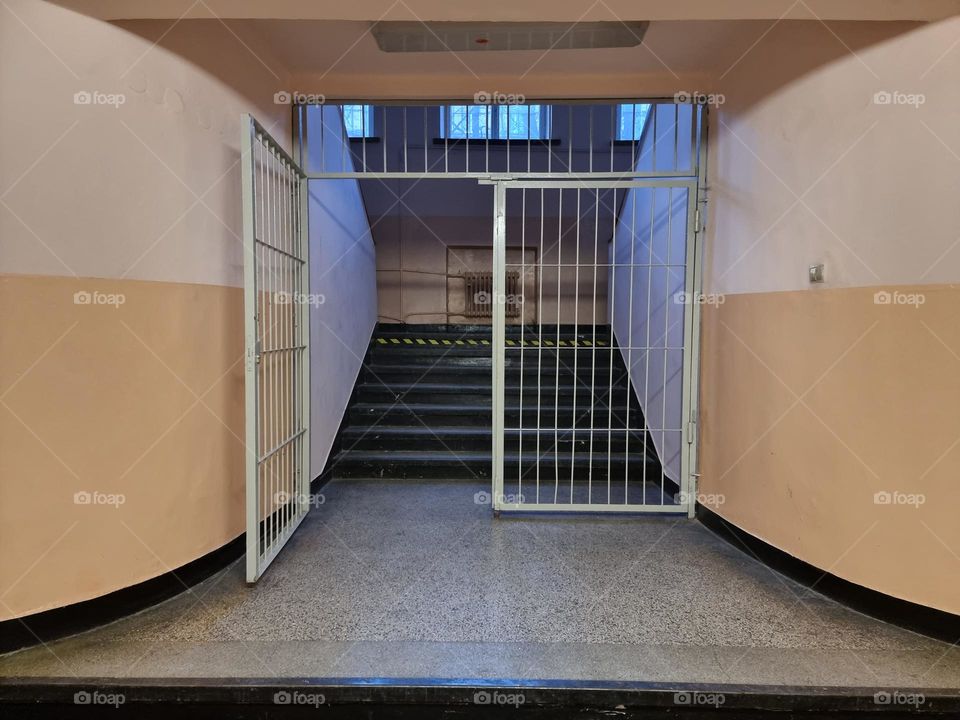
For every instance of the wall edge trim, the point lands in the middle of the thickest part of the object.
(922, 619)
(48, 625)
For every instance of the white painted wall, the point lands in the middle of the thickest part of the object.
(806, 168)
(148, 189)
(645, 313)
(342, 271)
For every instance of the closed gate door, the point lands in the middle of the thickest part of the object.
(276, 287)
(593, 401)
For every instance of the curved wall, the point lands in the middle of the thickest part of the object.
(829, 412)
(121, 407)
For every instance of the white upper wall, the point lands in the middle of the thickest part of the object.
(807, 165)
(148, 189)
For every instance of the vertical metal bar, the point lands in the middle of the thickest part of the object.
(576, 352)
(405, 145)
(653, 108)
(666, 343)
(522, 351)
(383, 137)
(612, 294)
(646, 344)
(626, 423)
(303, 341)
(499, 353)
(345, 140)
(676, 136)
(613, 132)
(556, 351)
(271, 282)
(692, 329)
(251, 356)
(590, 140)
(363, 139)
(487, 129)
(540, 260)
(508, 134)
(593, 322)
(530, 135)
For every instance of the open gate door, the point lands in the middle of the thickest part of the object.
(277, 353)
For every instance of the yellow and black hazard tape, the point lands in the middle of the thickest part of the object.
(510, 343)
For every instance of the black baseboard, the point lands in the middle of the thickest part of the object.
(925, 620)
(60, 622)
(392, 698)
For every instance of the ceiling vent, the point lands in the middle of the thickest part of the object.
(405, 37)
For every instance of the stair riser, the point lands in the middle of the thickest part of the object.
(381, 375)
(373, 441)
(455, 470)
(546, 396)
(564, 417)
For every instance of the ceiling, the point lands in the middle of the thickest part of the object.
(506, 10)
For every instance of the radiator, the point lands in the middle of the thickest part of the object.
(478, 294)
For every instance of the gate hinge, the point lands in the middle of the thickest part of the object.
(696, 221)
(691, 429)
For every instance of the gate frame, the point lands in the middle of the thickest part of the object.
(696, 217)
(691, 341)
(256, 564)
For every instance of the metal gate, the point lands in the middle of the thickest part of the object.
(593, 405)
(276, 290)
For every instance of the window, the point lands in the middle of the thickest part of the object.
(630, 120)
(495, 122)
(358, 119)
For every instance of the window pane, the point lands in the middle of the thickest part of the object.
(522, 122)
(467, 121)
(358, 119)
(630, 120)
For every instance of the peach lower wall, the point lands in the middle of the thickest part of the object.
(143, 400)
(813, 402)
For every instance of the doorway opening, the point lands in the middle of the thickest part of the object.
(537, 277)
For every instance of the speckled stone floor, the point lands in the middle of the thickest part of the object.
(415, 579)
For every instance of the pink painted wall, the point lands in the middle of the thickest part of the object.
(820, 403)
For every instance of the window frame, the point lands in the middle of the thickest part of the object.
(368, 122)
(494, 124)
(637, 133)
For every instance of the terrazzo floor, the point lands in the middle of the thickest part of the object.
(417, 580)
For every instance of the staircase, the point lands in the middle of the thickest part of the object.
(422, 407)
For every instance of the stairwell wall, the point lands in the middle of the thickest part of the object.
(343, 281)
